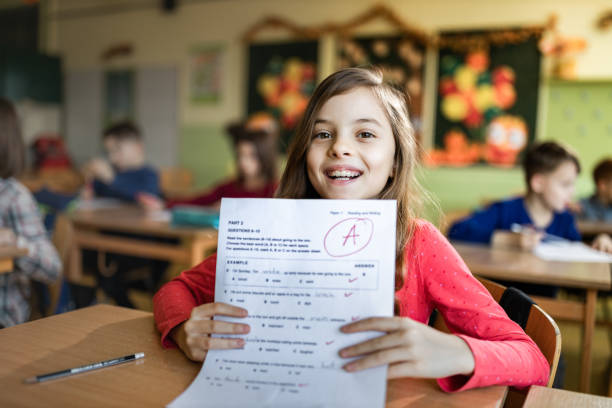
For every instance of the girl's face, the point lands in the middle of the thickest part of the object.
(247, 160)
(352, 150)
(557, 187)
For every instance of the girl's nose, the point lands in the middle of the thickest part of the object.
(341, 146)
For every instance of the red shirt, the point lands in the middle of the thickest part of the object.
(435, 277)
(231, 189)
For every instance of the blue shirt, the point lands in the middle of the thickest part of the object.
(479, 226)
(128, 183)
(594, 210)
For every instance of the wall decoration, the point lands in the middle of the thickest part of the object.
(401, 59)
(205, 74)
(282, 77)
(487, 98)
(118, 96)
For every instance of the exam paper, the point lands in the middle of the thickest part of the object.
(302, 268)
(568, 251)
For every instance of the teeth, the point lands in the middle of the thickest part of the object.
(344, 173)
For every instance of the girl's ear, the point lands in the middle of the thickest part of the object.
(393, 169)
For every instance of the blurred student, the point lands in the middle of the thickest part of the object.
(598, 207)
(125, 175)
(19, 213)
(255, 147)
(550, 174)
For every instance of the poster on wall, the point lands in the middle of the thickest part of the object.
(205, 74)
(400, 58)
(487, 100)
(118, 96)
(282, 77)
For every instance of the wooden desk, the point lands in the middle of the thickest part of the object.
(87, 224)
(556, 398)
(523, 266)
(592, 228)
(102, 332)
(7, 255)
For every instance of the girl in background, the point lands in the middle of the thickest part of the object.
(19, 213)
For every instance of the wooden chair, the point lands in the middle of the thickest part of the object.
(540, 327)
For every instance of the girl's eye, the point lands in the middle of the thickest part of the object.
(322, 135)
(365, 135)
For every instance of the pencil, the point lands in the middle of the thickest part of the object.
(82, 369)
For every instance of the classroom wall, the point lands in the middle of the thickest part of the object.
(162, 39)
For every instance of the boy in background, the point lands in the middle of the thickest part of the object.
(125, 175)
(598, 207)
(550, 175)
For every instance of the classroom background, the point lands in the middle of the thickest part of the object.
(183, 69)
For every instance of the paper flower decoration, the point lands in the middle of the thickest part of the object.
(470, 93)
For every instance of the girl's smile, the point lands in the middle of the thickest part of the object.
(352, 147)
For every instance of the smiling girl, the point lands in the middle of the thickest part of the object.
(355, 141)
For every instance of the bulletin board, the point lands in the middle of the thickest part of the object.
(579, 114)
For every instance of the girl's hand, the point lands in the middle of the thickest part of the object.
(411, 349)
(193, 335)
(603, 243)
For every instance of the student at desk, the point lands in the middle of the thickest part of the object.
(550, 175)
(598, 207)
(255, 148)
(18, 212)
(356, 142)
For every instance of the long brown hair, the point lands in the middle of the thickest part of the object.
(12, 150)
(403, 186)
(265, 144)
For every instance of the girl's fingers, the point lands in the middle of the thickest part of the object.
(398, 338)
(198, 327)
(208, 310)
(209, 343)
(384, 324)
(400, 370)
(379, 358)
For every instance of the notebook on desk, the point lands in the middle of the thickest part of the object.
(567, 251)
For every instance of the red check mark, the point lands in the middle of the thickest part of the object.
(347, 294)
(353, 280)
(354, 318)
(329, 342)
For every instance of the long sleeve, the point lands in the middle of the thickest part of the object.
(438, 278)
(128, 184)
(477, 227)
(42, 262)
(205, 199)
(173, 303)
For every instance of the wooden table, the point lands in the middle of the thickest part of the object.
(524, 266)
(7, 255)
(193, 243)
(103, 332)
(555, 398)
(592, 228)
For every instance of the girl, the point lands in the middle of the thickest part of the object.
(255, 148)
(355, 141)
(18, 212)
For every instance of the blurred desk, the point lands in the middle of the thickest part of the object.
(88, 225)
(7, 255)
(102, 332)
(556, 398)
(524, 266)
(593, 228)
